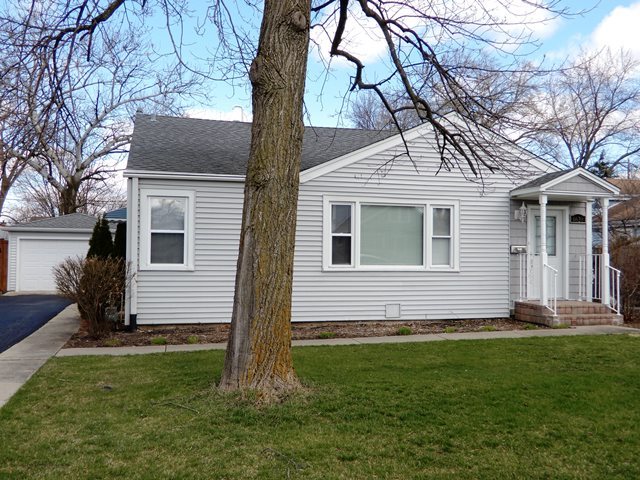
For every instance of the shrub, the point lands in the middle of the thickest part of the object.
(112, 342)
(326, 335)
(450, 330)
(100, 243)
(159, 341)
(193, 339)
(488, 328)
(97, 285)
(531, 326)
(404, 331)
(120, 241)
(625, 255)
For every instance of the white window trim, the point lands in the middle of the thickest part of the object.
(145, 229)
(453, 232)
(351, 235)
(356, 202)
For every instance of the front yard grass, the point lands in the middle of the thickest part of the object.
(524, 408)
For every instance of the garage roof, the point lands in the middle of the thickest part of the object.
(74, 222)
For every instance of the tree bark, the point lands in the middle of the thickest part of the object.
(68, 199)
(258, 353)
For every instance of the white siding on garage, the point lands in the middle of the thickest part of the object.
(479, 289)
(33, 255)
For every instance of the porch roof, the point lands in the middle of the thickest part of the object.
(571, 185)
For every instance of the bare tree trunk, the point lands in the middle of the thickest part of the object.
(68, 199)
(259, 350)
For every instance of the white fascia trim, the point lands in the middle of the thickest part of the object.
(587, 175)
(527, 194)
(48, 230)
(182, 176)
(361, 154)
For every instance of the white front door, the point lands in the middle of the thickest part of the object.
(556, 254)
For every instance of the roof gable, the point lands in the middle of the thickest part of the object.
(573, 181)
(196, 146)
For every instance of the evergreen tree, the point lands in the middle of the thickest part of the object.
(120, 241)
(100, 244)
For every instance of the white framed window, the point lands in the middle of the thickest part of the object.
(388, 234)
(442, 227)
(342, 234)
(166, 229)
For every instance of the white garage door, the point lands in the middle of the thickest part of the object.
(37, 257)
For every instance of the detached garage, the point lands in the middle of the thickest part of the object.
(36, 247)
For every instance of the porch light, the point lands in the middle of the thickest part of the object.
(521, 213)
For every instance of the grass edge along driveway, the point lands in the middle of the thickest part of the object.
(519, 408)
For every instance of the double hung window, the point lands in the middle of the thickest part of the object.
(166, 230)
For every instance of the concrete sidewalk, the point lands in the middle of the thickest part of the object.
(574, 331)
(22, 360)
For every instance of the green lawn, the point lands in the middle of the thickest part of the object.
(529, 408)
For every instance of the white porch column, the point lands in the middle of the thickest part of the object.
(544, 294)
(588, 259)
(604, 273)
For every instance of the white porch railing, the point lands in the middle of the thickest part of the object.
(590, 285)
(526, 263)
(614, 286)
(552, 299)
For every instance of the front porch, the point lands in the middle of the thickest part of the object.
(568, 312)
(560, 280)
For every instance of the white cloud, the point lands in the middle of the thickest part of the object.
(237, 114)
(494, 20)
(619, 30)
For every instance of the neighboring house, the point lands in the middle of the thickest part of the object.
(378, 237)
(116, 216)
(38, 246)
(624, 216)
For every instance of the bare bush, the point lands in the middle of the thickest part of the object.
(625, 255)
(97, 285)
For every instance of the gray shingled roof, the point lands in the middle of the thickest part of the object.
(117, 214)
(190, 145)
(73, 221)
(539, 181)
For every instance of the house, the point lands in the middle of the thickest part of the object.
(624, 216)
(116, 216)
(38, 246)
(378, 236)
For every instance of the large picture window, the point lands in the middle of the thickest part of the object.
(373, 234)
(391, 235)
(166, 230)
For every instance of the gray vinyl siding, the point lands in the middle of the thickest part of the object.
(578, 184)
(518, 236)
(205, 294)
(480, 289)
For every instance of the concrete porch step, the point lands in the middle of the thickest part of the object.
(589, 319)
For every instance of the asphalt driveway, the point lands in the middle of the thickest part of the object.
(21, 315)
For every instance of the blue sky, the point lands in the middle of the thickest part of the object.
(613, 23)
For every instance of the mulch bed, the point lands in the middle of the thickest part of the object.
(216, 333)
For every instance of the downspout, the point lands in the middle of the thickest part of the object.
(131, 298)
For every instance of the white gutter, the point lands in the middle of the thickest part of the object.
(182, 176)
